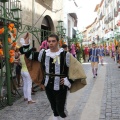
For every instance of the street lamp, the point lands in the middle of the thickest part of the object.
(9, 13)
(64, 31)
(61, 31)
(16, 9)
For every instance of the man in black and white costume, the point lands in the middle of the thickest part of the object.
(55, 64)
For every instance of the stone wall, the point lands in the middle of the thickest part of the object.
(28, 18)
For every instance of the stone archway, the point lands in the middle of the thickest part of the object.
(47, 26)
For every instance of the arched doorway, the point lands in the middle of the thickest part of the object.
(47, 27)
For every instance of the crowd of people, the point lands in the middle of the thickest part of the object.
(113, 53)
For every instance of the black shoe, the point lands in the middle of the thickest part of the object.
(96, 74)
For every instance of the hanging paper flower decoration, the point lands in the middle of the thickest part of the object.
(9, 40)
(1, 52)
(1, 30)
(11, 25)
(10, 28)
(14, 32)
(14, 44)
(12, 52)
(11, 60)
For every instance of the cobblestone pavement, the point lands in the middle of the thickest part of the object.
(110, 107)
(76, 101)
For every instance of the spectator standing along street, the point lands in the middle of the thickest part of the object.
(27, 81)
(94, 58)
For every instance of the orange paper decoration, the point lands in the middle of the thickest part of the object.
(60, 43)
(11, 25)
(1, 30)
(14, 44)
(12, 52)
(10, 28)
(1, 52)
(14, 35)
(14, 30)
(9, 40)
(11, 60)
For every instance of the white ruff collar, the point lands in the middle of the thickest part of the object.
(53, 54)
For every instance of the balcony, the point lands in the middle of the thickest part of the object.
(98, 26)
(101, 16)
(109, 1)
(118, 5)
(106, 4)
(110, 16)
(94, 29)
(106, 21)
(115, 11)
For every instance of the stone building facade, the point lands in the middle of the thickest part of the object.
(47, 11)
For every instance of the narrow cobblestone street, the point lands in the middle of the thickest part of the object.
(99, 100)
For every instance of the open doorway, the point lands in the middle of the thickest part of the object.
(47, 27)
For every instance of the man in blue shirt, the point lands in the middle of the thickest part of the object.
(94, 58)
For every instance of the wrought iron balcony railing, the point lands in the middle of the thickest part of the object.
(98, 26)
(106, 21)
(115, 11)
(109, 1)
(106, 4)
(110, 16)
(94, 29)
(101, 16)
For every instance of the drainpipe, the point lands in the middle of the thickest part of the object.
(33, 14)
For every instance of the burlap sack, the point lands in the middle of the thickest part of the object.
(77, 74)
(34, 68)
